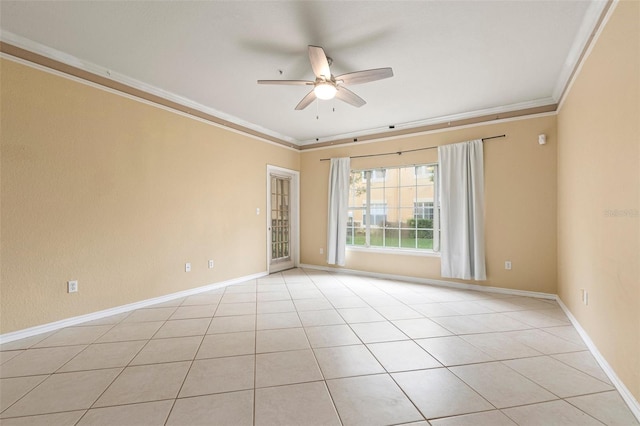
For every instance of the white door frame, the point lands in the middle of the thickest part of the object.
(294, 205)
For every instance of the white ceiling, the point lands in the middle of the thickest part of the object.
(451, 59)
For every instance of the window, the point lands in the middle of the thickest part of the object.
(393, 207)
(378, 214)
(423, 210)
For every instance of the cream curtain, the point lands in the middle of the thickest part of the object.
(337, 217)
(462, 210)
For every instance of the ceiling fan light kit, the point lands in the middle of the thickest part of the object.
(326, 86)
(325, 91)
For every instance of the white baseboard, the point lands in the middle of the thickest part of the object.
(44, 328)
(634, 406)
(441, 283)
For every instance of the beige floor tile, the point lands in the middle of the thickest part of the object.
(233, 409)
(346, 361)
(557, 377)
(74, 336)
(150, 314)
(398, 312)
(249, 297)
(415, 299)
(271, 286)
(64, 392)
(249, 287)
(584, 362)
(421, 328)
(194, 311)
(58, 419)
(371, 400)
(273, 296)
(286, 339)
(144, 414)
(276, 278)
(300, 404)
(510, 390)
(282, 368)
(219, 375)
(404, 355)
(500, 346)
(7, 355)
(331, 335)
(348, 302)
(439, 393)
(182, 328)
(232, 324)
(566, 332)
(230, 344)
(468, 308)
(319, 304)
(545, 342)
(462, 324)
(304, 294)
(174, 349)
(557, 413)
(144, 383)
(25, 343)
(233, 309)
(355, 315)
(202, 299)
(276, 307)
(104, 355)
(486, 418)
(381, 300)
(608, 407)
(131, 331)
(373, 332)
(500, 322)
(320, 317)
(452, 350)
(39, 361)
(536, 318)
(278, 320)
(433, 310)
(14, 388)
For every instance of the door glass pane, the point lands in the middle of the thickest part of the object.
(280, 219)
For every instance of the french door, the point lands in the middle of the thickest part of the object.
(282, 219)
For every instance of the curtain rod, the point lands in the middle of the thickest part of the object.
(409, 150)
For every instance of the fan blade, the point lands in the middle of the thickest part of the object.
(287, 82)
(366, 76)
(311, 96)
(319, 62)
(349, 97)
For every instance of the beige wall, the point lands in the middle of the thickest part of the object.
(119, 195)
(520, 191)
(599, 195)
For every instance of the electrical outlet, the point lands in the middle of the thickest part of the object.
(507, 265)
(321, 250)
(72, 286)
(211, 264)
(187, 267)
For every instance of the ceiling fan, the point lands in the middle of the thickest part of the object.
(326, 86)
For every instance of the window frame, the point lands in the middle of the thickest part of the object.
(370, 176)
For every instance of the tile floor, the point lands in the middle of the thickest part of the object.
(305, 347)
